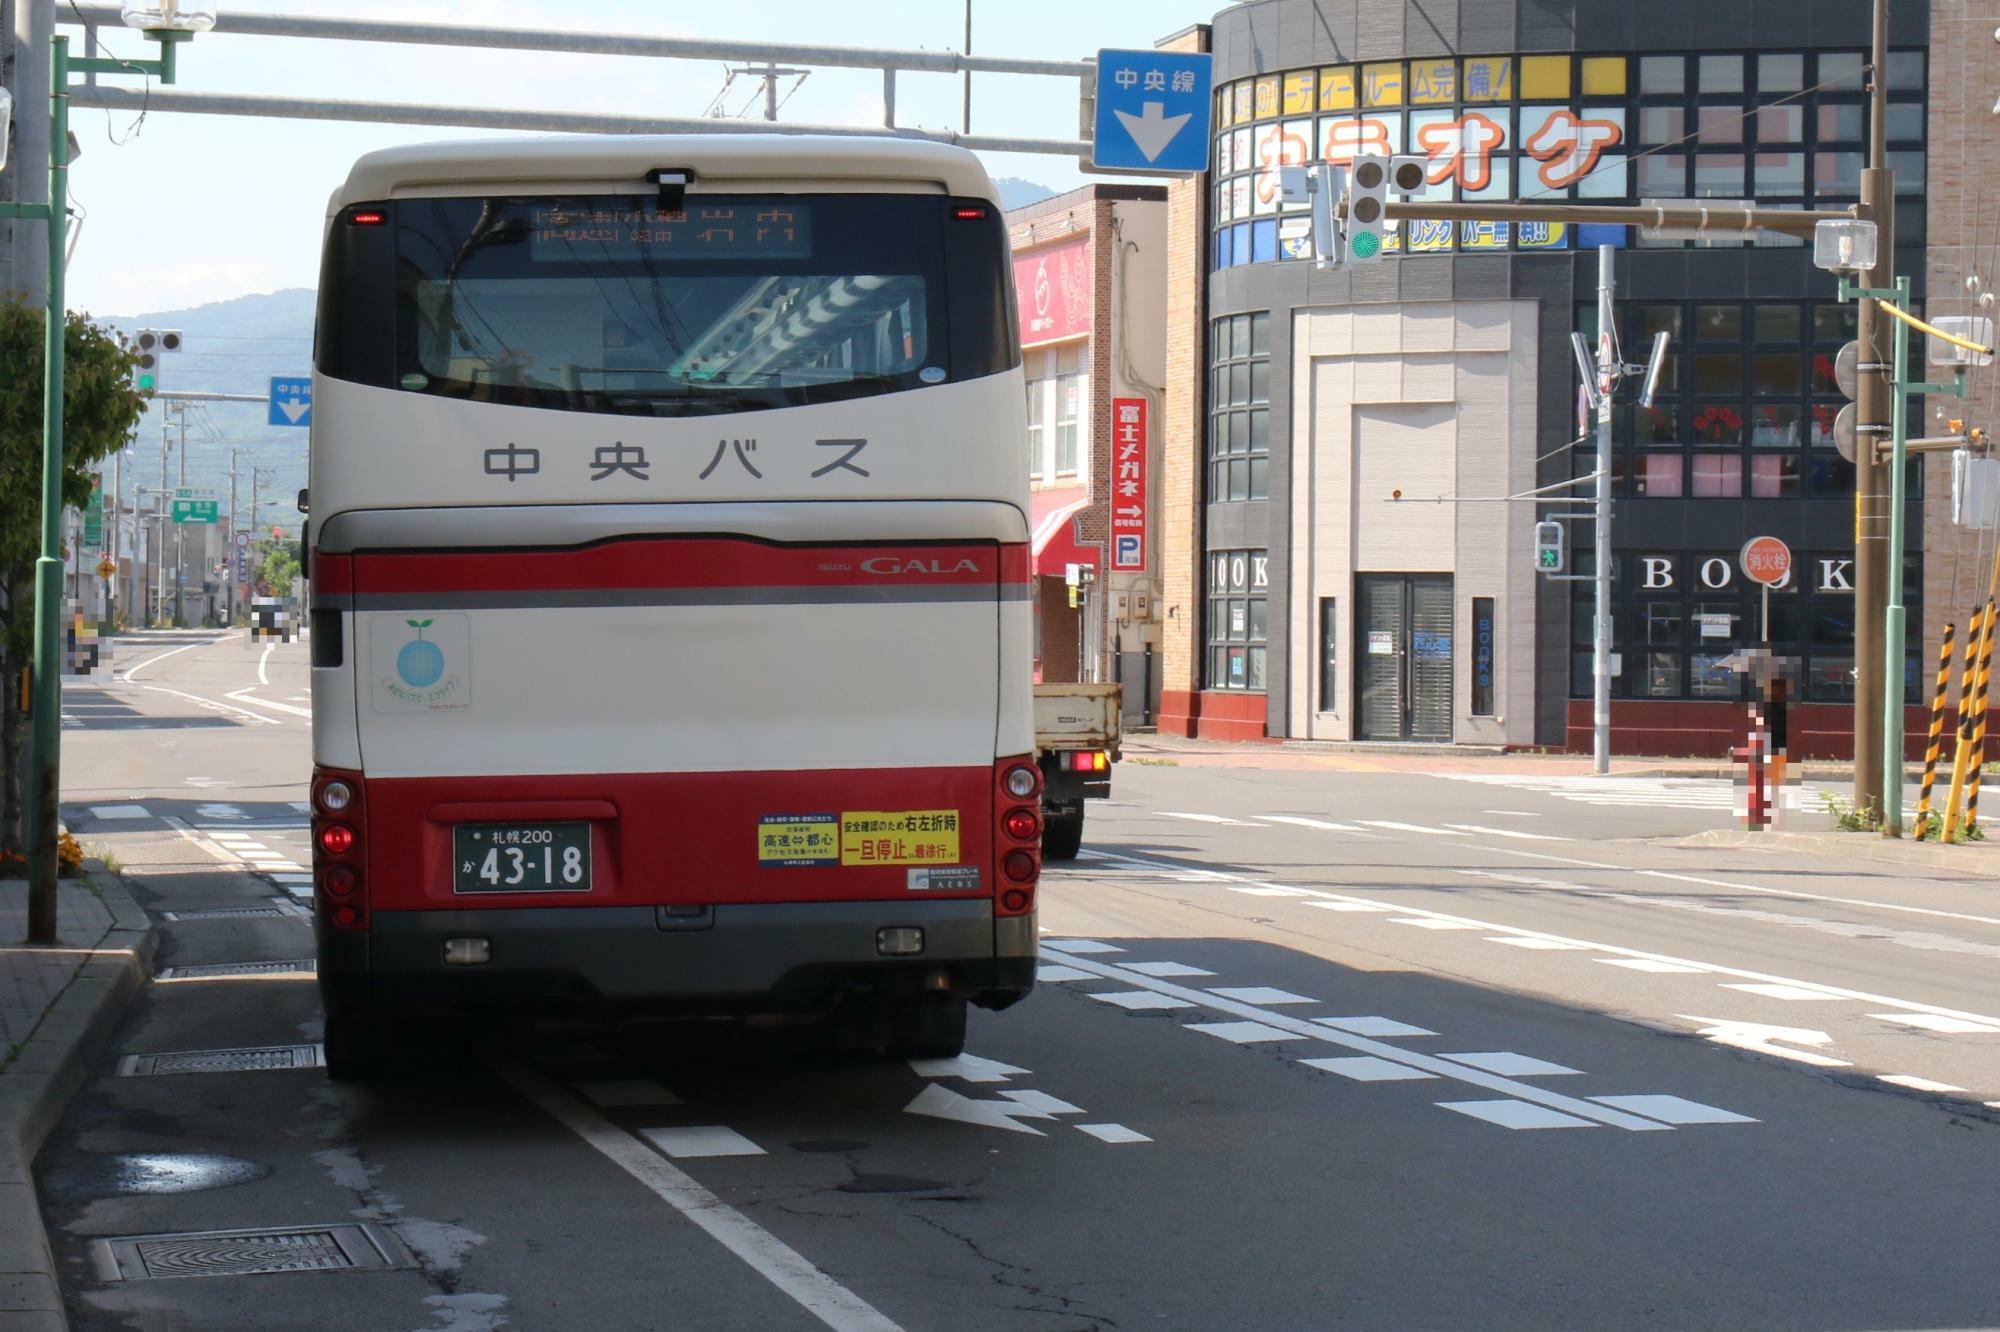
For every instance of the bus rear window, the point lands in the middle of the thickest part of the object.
(613, 304)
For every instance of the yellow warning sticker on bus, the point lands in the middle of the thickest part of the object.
(899, 837)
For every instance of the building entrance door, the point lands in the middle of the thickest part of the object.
(1404, 633)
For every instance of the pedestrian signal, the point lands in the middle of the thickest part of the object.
(1551, 548)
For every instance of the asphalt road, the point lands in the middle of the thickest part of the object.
(1312, 1049)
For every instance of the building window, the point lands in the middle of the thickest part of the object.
(1238, 610)
(1329, 655)
(1239, 415)
(1038, 392)
(1071, 391)
(1058, 397)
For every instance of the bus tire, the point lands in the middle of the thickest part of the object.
(930, 1027)
(355, 1047)
(1062, 836)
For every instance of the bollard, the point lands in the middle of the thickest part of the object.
(1979, 722)
(1935, 744)
(1962, 726)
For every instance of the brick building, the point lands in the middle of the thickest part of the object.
(1321, 579)
(1090, 278)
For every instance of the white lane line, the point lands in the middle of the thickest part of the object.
(1350, 906)
(1506, 832)
(1367, 1068)
(1436, 923)
(186, 647)
(1263, 994)
(770, 1257)
(1165, 969)
(215, 705)
(1513, 813)
(1418, 828)
(1673, 1110)
(1113, 1133)
(1518, 1115)
(1256, 1021)
(1510, 1065)
(1790, 993)
(1540, 945)
(1244, 1033)
(1818, 897)
(1915, 1083)
(692, 1140)
(1081, 946)
(120, 812)
(1648, 964)
(215, 850)
(1137, 1000)
(244, 695)
(1267, 890)
(1932, 1022)
(1048, 972)
(1375, 1026)
(1543, 855)
(262, 677)
(1300, 821)
(1206, 818)
(1466, 922)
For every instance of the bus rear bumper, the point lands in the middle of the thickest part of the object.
(774, 957)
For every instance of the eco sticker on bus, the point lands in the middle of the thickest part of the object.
(791, 841)
(899, 837)
(420, 663)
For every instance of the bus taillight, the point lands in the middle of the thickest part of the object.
(339, 822)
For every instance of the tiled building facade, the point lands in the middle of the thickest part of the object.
(1325, 578)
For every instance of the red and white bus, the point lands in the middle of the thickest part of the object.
(668, 549)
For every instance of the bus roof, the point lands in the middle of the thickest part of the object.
(617, 163)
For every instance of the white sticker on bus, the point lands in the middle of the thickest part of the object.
(420, 662)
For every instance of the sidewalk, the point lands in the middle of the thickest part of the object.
(1981, 858)
(58, 1009)
(1357, 756)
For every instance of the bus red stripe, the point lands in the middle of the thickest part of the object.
(689, 563)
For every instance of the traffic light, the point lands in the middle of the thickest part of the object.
(1367, 206)
(1551, 547)
(151, 345)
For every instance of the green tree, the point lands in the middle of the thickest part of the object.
(100, 408)
(274, 568)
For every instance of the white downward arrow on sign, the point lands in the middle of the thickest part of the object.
(1759, 1035)
(294, 408)
(1153, 129)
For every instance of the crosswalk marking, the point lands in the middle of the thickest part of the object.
(1507, 832)
(1394, 826)
(1205, 818)
(1301, 821)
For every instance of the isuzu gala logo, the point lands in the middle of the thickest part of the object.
(890, 564)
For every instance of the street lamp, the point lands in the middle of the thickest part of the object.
(1845, 245)
(168, 23)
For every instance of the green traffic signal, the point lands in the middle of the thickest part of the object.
(1365, 244)
(147, 383)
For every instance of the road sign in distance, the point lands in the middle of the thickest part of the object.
(1153, 111)
(105, 568)
(1844, 432)
(1766, 560)
(1847, 368)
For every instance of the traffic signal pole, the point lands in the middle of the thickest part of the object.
(1609, 366)
(1874, 388)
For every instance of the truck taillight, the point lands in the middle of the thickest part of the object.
(339, 828)
(1089, 760)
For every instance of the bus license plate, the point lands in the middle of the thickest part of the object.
(520, 858)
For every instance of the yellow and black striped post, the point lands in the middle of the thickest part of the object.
(1962, 750)
(1935, 745)
(1979, 721)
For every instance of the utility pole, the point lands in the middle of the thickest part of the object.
(1609, 368)
(1871, 415)
(965, 111)
(229, 556)
(111, 541)
(770, 73)
(180, 533)
(160, 503)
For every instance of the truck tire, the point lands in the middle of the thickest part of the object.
(1062, 836)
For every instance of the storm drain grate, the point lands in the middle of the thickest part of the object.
(341, 1248)
(291, 966)
(227, 913)
(250, 1059)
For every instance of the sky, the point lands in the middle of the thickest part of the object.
(181, 209)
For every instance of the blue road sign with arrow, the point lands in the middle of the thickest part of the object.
(291, 402)
(1153, 111)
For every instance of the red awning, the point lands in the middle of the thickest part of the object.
(1054, 542)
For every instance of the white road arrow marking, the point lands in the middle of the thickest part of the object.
(1758, 1036)
(294, 408)
(970, 1068)
(941, 1102)
(1153, 129)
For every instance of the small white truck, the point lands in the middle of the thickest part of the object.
(1076, 742)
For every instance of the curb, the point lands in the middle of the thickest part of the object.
(51, 1068)
(1852, 845)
